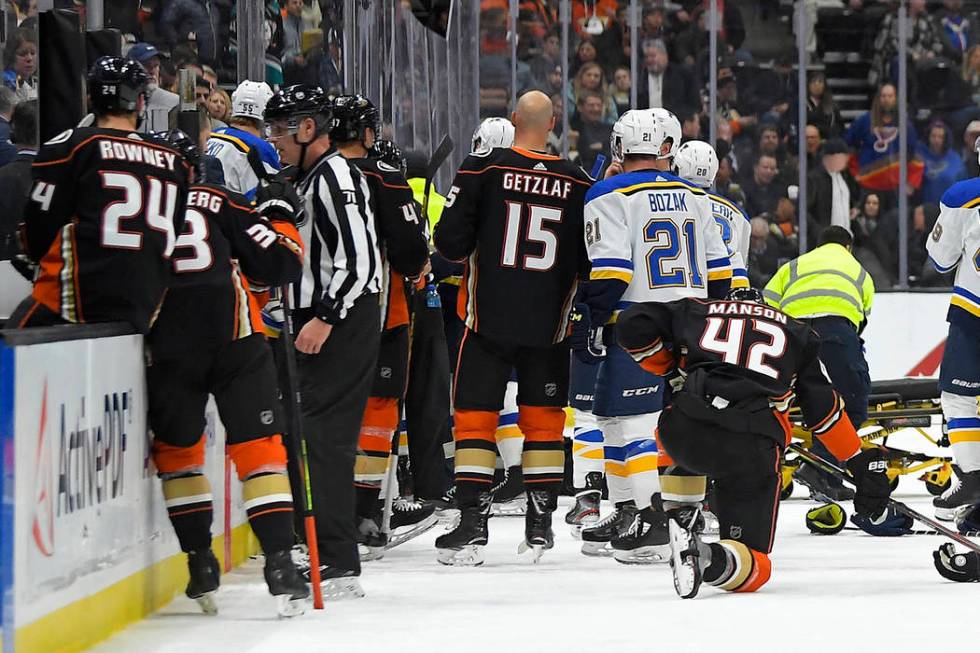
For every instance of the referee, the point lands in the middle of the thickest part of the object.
(337, 314)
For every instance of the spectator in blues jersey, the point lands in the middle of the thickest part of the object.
(874, 136)
(943, 166)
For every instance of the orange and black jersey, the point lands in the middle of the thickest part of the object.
(515, 218)
(102, 220)
(748, 351)
(225, 245)
(402, 235)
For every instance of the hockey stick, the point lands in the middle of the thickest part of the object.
(435, 162)
(920, 531)
(391, 484)
(600, 161)
(837, 472)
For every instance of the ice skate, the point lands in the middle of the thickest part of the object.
(685, 556)
(538, 536)
(464, 544)
(597, 539)
(337, 583)
(509, 499)
(205, 575)
(647, 540)
(964, 491)
(371, 542)
(409, 519)
(585, 511)
(447, 511)
(286, 584)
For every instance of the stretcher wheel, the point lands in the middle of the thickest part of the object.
(786, 492)
(935, 489)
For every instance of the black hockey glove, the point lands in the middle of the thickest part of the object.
(869, 469)
(584, 339)
(276, 198)
(961, 567)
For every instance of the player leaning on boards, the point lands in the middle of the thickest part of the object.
(829, 290)
(104, 212)
(404, 253)
(743, 362)
(955, 243)
(515, 216)
(336, 311)
(208, 339)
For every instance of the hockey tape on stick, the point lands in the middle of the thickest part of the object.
(597, 166)
(836, 471)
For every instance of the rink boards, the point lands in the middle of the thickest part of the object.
(85, 543)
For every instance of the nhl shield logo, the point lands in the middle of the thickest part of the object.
(735, 532)
(550, 389)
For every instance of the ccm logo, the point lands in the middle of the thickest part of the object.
(640, 392)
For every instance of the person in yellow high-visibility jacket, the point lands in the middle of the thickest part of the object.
(828, 289)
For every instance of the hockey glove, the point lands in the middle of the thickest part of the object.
(890, 523)
(276, 198)
(869, 469)
(967, 519)
(828, 519)
(584, 339)
(961, 567)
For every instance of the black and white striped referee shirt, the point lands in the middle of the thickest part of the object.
(342, 259)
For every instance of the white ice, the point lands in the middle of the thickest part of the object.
(849, 592)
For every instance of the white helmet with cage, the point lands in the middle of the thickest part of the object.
(672, 131)
(636, 132)
(696, 162)
(249, 100)
(492, 132)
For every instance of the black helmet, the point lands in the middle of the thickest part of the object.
(183, 143)
(293, 103)
(115, 84)
(390, 153)
(353, 115)
(746, 295)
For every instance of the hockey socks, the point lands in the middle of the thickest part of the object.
(190, 508)
(269, 506)
(734, 567)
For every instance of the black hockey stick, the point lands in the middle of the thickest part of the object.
(435, 162)
(920, 531)
(837, 472)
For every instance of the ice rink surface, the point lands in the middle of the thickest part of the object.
(849, 592)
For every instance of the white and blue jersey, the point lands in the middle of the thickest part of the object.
(231, 147)
(736, 231)
(955, 244)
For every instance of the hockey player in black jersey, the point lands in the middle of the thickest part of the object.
(743, 363)
(405, 253)
(208, 340)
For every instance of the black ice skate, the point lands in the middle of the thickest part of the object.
(597, 539)
(647, 540)
(965, 491)
(585, 511)
(538, 536)
(371, 542)
(205, 574)
(464, 544)
(286, 584)
(820, 485)
(447, 511)
(685, 555)
(409, 519)
(336, 583)
(509, 499)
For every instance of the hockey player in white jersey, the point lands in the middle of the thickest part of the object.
(955, 243)
(697, 162)
(650, 237)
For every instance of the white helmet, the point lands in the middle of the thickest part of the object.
(249, 100)
(672, 130)
(636, 132)
(697, 162)
(492, 132)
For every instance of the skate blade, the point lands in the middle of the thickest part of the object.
(337, 589)
(209, 605)
(467, 556)
(946, 514)
(531, 553)
(407, 533)
(514, 508)
(645, 555)
(288, 607)
(684, 561)
(597, 549)
(369, 553)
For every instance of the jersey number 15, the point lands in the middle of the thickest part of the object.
(536, 232)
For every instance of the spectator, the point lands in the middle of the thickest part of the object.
(591, 16)
(167, 74)
(584, 53)
(208, 73)
(970, 136)
(765, 253)
(662, 84)
(874, 136)
(622, 82)
(955, 30)
(613, 44)
(967, 93)
(159, 101)
(292, 54)
(20, 64)
(593, 133)
(769, 141)
(8, 100)
(552, 82)
(691, 44)
(830, 189)
(182, 18)
(15, 178)
(202, 92)
(821, 109)
(543, 63)
(725, 183)
(762, 188)
(812, 135)
(219, 108)
(589, 78)
(728, 109)
(871, 241)
(555, 139)
(783, 225)
(943, 166)
(773, 92)
(924, 44)
(690, 125)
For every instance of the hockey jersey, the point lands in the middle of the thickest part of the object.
(651, 236)
(515, 217)
(736, 231)
(746, 351)
(102, 221)
(231, 146)
(225, 244)
(955, 241)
